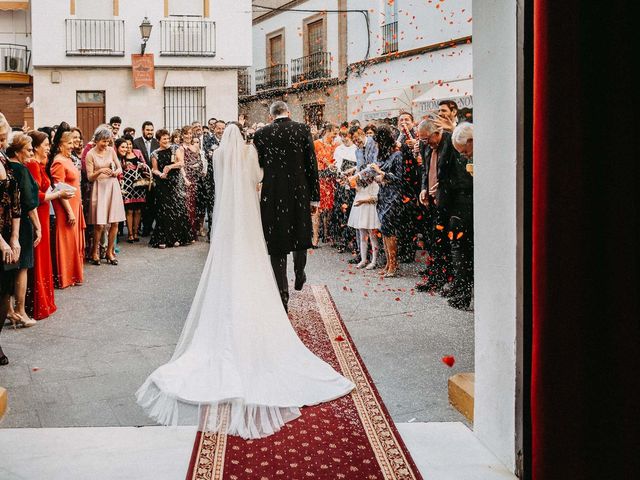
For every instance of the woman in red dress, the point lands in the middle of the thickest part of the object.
(70, 222)
(324, 148)
(41, 278)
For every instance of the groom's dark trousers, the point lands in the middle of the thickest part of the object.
(279, 265)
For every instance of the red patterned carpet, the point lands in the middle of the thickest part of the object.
(350, 438)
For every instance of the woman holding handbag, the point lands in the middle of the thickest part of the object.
(135, 183)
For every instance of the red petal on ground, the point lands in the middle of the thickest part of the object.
(448, 360)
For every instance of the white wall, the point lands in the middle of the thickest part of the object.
(294, 38)
(498, 227)
(419, 24)
(15, 27)
(57, 102)
(417, 74)
(233, 33)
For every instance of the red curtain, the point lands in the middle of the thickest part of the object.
(585, 269)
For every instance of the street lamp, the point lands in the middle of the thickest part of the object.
(145, 32)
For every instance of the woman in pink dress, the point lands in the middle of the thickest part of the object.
(69, 218)
(107, 206)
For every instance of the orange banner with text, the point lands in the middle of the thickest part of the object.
(143, 70)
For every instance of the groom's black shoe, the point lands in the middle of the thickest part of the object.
(300, 281)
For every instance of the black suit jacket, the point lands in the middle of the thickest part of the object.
(138, 143)
(447, 156)
(290, 184)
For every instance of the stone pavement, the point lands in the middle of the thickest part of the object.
(82, 366)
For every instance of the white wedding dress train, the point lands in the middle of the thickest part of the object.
(239, 367)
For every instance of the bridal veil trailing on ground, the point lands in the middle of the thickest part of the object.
(239, 367)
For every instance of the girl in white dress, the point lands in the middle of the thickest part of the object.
(364, 218)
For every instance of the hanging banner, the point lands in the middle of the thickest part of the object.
(143, 70)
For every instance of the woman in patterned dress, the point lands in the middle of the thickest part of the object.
(10, 212)
(134, 188)
(189, 154)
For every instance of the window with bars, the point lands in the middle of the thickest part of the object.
(183, 106)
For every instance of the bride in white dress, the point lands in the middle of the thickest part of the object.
(239, 367)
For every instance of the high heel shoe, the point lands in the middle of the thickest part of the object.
(19, 320)
(4, 360)
(130, 240)
(94, 261)
(112, 261)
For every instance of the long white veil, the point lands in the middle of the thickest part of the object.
(238, 359)
(236, 214)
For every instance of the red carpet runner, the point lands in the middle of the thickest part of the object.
(351, 438)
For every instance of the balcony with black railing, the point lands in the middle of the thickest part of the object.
(390, 38)
(311, 67)
(94, 37)
(188, 37)
(244, 82)
(272, 77)
(14, 58)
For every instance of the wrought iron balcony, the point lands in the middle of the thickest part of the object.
(312, 67)
(186, 37)
(14, 58)
(272, 77)
(95, 37)
(390, 38)
(244, 82)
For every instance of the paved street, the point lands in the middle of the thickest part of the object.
(82, 366)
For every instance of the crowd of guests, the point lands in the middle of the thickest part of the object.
(409, 186)
(63, 203)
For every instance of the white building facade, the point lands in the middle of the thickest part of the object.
(299, 56)
(340, 60)
(412, 55)
(82, 65)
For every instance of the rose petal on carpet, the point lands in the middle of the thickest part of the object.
(350, 438)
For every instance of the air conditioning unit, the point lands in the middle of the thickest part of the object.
(12, 64)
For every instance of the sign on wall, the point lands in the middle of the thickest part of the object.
(143, 70)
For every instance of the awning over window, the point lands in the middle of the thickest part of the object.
(460, 91)
(11, 5)
(184, 78)
(387, 103)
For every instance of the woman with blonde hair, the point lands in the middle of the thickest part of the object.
(70, 223)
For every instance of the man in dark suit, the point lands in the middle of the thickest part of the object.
(438, 155)
(147, 144)
(290, 193)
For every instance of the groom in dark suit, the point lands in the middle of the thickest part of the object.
(290, 193)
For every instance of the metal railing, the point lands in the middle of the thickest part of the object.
(186, 37)
(94, 37)
(312, 67)
(390, 38)
(272, 77)
(14, 58)
(244, 82)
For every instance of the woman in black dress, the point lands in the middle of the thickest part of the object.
(172, 221)
(19, 152)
